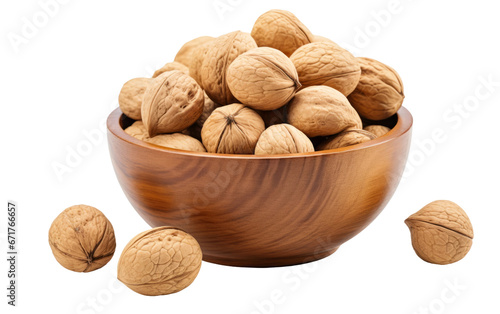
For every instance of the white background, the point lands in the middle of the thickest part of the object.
(65, 79)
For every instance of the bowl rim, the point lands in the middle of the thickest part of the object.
(403, 125)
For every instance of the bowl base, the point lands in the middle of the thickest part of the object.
(274, 262)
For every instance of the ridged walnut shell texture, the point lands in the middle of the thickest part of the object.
(173, 102)
(160, 261)
(177, 141)
(263, 78)
(82, 239)
(283, 139)
(347, 138)
(380, 91)
(171, 66)
(185, 54)
(377, 130)
(441, 232)
(281, 30)
(197, 58)
(322, 111)
(232, 129)
(131, 96)
(324, 63)
(221, 52)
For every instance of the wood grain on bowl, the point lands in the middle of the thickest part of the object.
(266, 210)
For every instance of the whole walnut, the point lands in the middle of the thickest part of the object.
(283, 139)
(380, 91)
(160, 261)
(324, 63)
(137, 130)
(281, 30)
(441, 232)
(377, 130)
(232, 129)
(185, 54)
(131, 95)
(177, 141)
(263, 78)
(82, 239)
(347, 138)
(220, 53)
(173, 102)
(322, 111)
(171, 66)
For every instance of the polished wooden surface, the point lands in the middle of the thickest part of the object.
(259, 211)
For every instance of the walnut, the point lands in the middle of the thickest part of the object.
(232, 129)
(441, 232)
(377, 130)
(160, 261)
(171, 66)
(197, 58)
(82, 239)
(379, 93)
(281, 30)
(185, 54)
(322, 111)
(173, 102)
(177, 141)
(347, 138)
(131, 95)
(263, 78)
(220, 53)
(137, 130)
(324, 63)
(283, 139)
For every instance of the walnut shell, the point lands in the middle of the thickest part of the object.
(131, 96)
(177, 141)
(82, 239)
(263, 78)
(377, 130)
(185, 54)
(283, 139)
(232, 129)
(137, 130)
(281, 30)
(380, 91)
(324, 63)
(441, 232)
(171, 66)
(221, 52)
(173, 102)
(160, 261)
(322, 111)
(347, 138)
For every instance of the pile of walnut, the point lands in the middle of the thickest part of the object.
(274, 91)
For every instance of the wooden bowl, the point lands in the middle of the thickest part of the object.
(260, 211)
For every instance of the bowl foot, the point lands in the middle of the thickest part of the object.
(267, 262)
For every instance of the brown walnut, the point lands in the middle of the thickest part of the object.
(160, 261)
(324, 63)
(377, 130)
(173, 102)
(281, 30)
(441, 232)
(82, 239)
(380, 91)
(171, 66)
(283, 139)
(263, 78)
(322, 111)
(177, 141)
(131, 96)
(232, 129)
(185, 54)
(347, 138)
